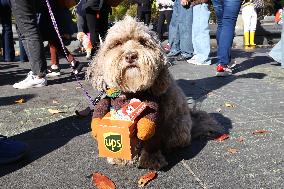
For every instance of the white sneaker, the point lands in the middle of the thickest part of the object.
(195, 62)
(30, 82)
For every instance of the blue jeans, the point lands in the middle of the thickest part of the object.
(277, 52)
(200, 33)
(7, 33)
(227, 14)
(180, 31)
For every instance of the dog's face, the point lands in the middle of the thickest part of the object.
(130, 58)
(80, 36)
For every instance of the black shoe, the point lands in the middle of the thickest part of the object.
(76, 67)
(182, 58)
(53, 72)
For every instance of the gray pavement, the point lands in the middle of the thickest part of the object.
(63, 154)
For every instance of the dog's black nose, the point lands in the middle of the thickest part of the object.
(130, 57)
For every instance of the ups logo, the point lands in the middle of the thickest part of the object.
(112, 141)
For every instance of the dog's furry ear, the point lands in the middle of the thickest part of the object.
(162, 82)
(95, 74)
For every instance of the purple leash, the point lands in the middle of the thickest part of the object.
(88, 97)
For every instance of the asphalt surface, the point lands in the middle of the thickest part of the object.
(64, 155)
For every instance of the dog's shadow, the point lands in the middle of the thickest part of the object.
(197, 145)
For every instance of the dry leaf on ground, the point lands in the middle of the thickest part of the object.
(240, 139)
(55, 102)
(228, 105)
(260, 132)
(232, 150)
(52, 111)
(102, 182)
(222, 137)
(147, 178)
(20, 101)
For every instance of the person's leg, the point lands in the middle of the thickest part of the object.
(161, 21)
(23, 54)
(200, 32)
(174, 40)
(80, 23)
(253, 22)
(185, 25)
(168, 16)
(91, 17)
(7, 35)
(25, 15)
(147, 18)
(54, 59)
(219, 9)
(282, 42)
(227, 13)
(246, 20)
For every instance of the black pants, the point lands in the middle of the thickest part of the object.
(163, 15)
(25, 15)
(144, 16)
(97, 22)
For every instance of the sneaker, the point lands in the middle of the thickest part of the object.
(76, 67)
(182, 58)
(195, 62)
(11, 150)
(30, 82)
(223, 70)
(53, 72)
(167, 47)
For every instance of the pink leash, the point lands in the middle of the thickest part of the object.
(54, 23)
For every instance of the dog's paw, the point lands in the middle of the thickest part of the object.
(117, 161)
(152, 160)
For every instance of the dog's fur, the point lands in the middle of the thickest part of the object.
(86, 43)
(147, 71)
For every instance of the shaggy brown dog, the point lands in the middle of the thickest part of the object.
(132, 60)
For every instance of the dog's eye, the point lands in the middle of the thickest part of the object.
(142, 41)
(115, 44)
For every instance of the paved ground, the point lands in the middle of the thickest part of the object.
(63, 154)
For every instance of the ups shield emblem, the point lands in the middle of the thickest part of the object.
(112, 141)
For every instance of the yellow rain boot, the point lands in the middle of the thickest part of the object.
(246, 40)
(251, 40)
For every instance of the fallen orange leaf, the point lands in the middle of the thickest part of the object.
(52, 111)
(222, 137)
(102, 182)
(20, 101)
(240, 139)
(147, 178)
(228, 105)
(232, 150)
(260, 132)
(55, 102)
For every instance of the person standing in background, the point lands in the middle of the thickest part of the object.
(180, 31)
(165, 8)
(227, 13)
(277, 52)
(144, 11)
(24, 12)
(7, 33)
(97, 12)
(200, 32)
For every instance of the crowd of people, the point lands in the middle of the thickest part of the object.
(186, 22)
